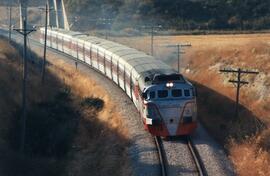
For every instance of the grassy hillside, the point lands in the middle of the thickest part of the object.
(72, 126)
(247, 138)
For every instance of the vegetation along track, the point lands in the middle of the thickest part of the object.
(200, 169)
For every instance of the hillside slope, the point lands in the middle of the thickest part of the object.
(249, 135)
(72, 125)
(247, 138)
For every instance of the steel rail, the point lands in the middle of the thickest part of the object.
(161, 155)
(196, 157)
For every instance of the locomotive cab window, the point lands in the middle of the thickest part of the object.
(187, 93)
(162, 93)
(152, 95)
(177, 93)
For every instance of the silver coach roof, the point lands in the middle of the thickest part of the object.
(143, 64)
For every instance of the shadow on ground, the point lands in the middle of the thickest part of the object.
(216, 113)
(60, 139)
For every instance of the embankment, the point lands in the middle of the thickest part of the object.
(72, 125)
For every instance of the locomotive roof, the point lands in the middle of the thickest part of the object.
(141, 64)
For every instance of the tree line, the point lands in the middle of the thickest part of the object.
(180, 14)
(173, 14)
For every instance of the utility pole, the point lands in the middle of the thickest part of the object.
(10, 25)
(24, 32)
(152, 31)
(152, 41)
(47, 10)
(179, 47)
(239, 83)
(107, 22)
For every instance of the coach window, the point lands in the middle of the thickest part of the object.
(162, 93)
(187, 93)
(177, 93)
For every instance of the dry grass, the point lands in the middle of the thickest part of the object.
(201, 63)
(99, 143)
(82, 86)
(7, 87)
(249, 159)
(104, 145)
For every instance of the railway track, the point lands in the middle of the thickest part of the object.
(200, 169)
(196, 157)
(161, 155)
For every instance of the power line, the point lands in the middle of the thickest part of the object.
(239, 83)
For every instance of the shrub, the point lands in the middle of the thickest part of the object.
(91, 102)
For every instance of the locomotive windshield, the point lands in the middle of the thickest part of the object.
(169, 94)
(162, 93)
(177, 93)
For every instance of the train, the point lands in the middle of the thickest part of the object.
(165, 99)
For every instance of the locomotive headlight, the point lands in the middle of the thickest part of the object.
(169, 85)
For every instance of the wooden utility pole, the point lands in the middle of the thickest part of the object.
(24, 32)
(152, 40)
(152, 37)
(239, 83)
(107, 22)
(47, 10)
(10, 17)
(152, 31)
(179, 47)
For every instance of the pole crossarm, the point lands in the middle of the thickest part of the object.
(25, 31)
(237, 71)
(46, 10)
(240, 82)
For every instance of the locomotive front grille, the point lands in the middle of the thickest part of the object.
(170, 115)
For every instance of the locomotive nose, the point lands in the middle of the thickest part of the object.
(171, 116)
